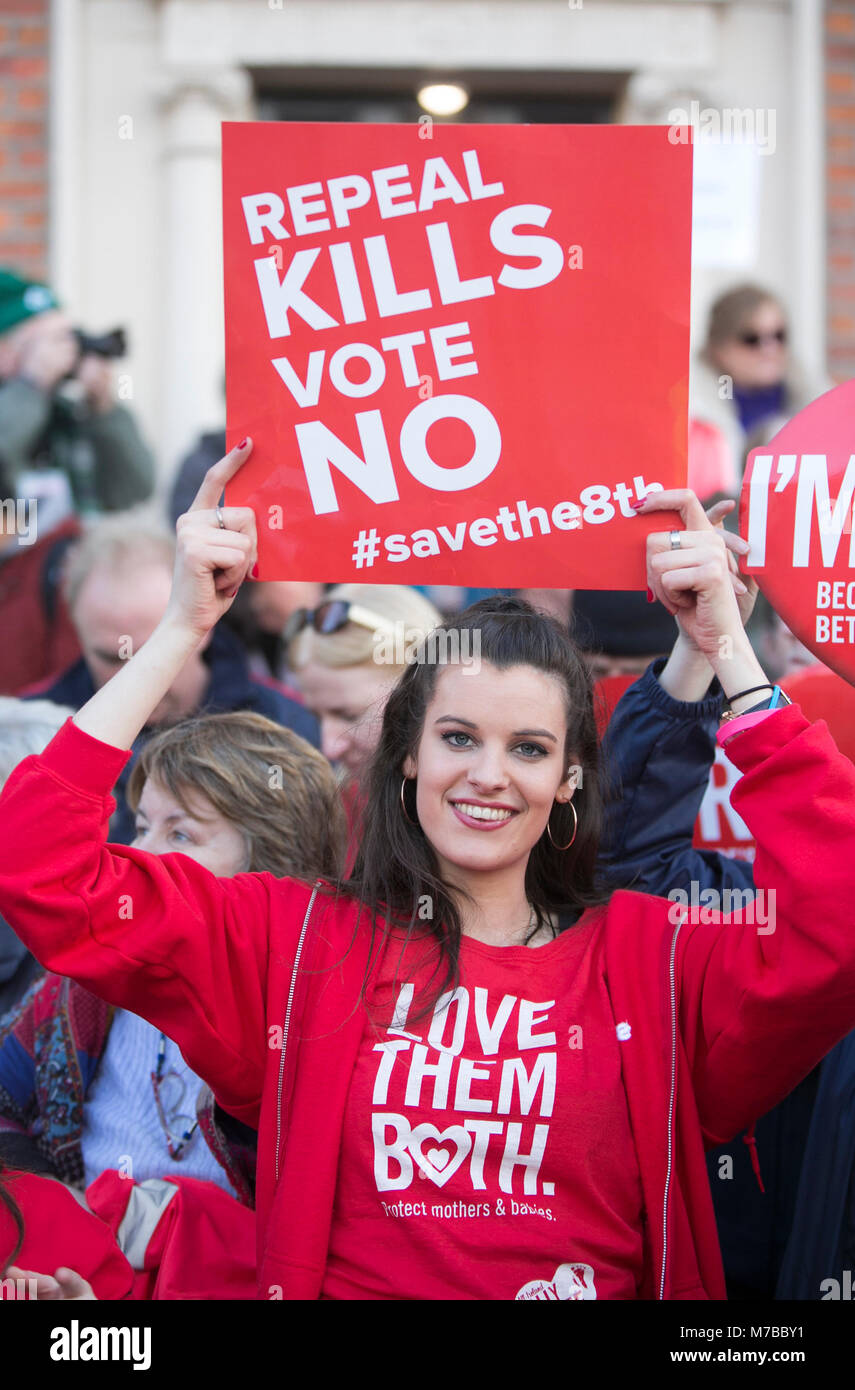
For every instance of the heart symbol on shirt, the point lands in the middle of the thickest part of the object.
(437, 1164)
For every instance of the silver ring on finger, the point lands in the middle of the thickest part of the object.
(674, 538)
(218, 513)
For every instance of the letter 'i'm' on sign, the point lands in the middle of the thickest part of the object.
(796, 512)
(460, 361)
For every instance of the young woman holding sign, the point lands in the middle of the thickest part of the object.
(472, 1076)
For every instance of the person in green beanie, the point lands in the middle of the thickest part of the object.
(93, 440)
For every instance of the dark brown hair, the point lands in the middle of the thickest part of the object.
(396, 866)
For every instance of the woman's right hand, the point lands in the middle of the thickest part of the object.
(212, 561)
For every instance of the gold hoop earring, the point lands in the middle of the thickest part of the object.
(404, 804)
(575, 828)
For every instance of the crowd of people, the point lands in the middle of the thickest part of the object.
(274, 908)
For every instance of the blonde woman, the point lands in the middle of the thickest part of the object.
(348, 653)
(745, 373)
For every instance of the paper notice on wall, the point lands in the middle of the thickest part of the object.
(726, 204)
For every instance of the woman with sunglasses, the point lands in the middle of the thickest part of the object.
(347, 654)
(745, 374)
(474, 1075)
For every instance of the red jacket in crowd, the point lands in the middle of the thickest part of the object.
(258, 980)
(165, 1238)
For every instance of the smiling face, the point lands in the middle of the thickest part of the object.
(164, 826)
(491, 763)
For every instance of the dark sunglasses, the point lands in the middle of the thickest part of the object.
(754, 340)
(332, 617)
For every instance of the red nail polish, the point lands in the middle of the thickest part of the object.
(244, 443)
(637, 505)
(254, 571)
(650, 596)
(233, 592)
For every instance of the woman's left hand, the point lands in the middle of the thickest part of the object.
(693, 579)
(745, 585)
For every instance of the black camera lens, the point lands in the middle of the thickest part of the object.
(113, 344)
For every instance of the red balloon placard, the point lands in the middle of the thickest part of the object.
(796, 513)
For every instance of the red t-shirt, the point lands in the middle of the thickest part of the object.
(487, 1150)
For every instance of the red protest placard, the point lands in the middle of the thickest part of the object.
(796, 511)
(460, 358)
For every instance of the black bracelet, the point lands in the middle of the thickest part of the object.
(750, 691)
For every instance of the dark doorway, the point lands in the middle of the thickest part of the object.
(496, 98)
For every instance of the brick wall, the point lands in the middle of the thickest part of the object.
(24, 135)
(840, 184)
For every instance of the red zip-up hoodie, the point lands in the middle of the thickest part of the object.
(258, 980)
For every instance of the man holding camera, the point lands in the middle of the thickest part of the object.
(67, 448)
(93, 440)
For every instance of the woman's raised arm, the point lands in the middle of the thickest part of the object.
(217, 548)
(161, 936)
(659, 748)
(766, 991)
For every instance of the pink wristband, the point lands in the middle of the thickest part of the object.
(740, 723)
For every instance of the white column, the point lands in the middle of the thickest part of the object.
(809, 248)
(194, 106)
(65, 148)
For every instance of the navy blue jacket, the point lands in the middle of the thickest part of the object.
(785, 1241)
(231, 687)
(657, 754)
